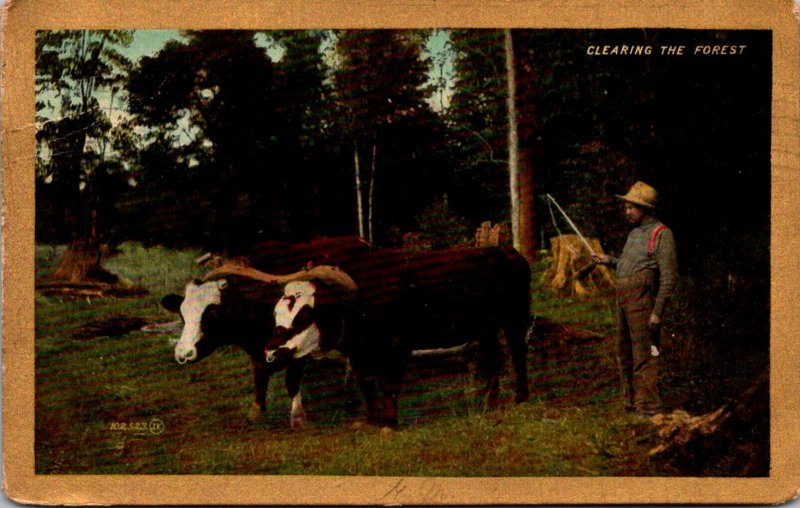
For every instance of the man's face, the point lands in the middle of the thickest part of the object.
(633, 213)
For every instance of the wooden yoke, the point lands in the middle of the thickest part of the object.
(334, 278)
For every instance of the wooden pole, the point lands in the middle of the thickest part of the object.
(571, 224)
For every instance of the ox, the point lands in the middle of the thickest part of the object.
(384, 304)
(216, 313)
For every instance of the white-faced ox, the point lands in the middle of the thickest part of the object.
(413, 301)
(216, 314)
(273, 323)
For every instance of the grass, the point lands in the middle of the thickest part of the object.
(87, 389)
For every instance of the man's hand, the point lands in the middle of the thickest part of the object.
(654, 320)
(601, 258)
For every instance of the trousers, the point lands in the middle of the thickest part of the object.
(637, 366)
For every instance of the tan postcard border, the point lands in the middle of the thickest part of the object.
(21, 19)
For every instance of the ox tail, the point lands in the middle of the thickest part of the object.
(517, 318)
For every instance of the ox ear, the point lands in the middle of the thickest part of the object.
(172, 303)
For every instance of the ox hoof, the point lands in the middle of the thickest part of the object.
(387, 431)
(297, 419)
(297, 422)
(256, 413)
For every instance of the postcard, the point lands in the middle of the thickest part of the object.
(326, 253)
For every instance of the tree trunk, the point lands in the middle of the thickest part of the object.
(527, 233)
(359, 201)
(513, 140)
(571, 269)
(370, 194)
(520, 169)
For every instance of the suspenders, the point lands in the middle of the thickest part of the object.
(652, 244)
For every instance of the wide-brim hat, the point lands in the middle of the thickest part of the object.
(641, 194)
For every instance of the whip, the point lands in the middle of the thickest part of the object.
(569, 221)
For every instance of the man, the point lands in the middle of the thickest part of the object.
(646, 276)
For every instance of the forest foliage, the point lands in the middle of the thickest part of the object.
(212, 142)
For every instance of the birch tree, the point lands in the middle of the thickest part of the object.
(379, 81)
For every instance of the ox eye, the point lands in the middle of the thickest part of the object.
(172, 303)
(291, 301)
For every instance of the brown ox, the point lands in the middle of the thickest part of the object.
(383, 304)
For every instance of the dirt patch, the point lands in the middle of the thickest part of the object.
(114, 326)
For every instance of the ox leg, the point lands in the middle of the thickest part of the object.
(366, 383)
(260, 382)
(491, 356)
(391, 391)
(294, 376)
(518, 346)
(364, 369)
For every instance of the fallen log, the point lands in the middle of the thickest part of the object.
(91, 289)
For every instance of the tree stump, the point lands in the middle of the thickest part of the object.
(572, 271)
(79, 273)
(80, 258)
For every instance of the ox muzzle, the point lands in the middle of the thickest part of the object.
(185, 354)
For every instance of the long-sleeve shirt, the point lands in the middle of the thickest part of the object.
(663, 260)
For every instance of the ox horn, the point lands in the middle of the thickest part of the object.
(331, 276)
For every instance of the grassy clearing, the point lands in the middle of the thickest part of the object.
(96, 397)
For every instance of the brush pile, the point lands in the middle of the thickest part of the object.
(733, 440)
